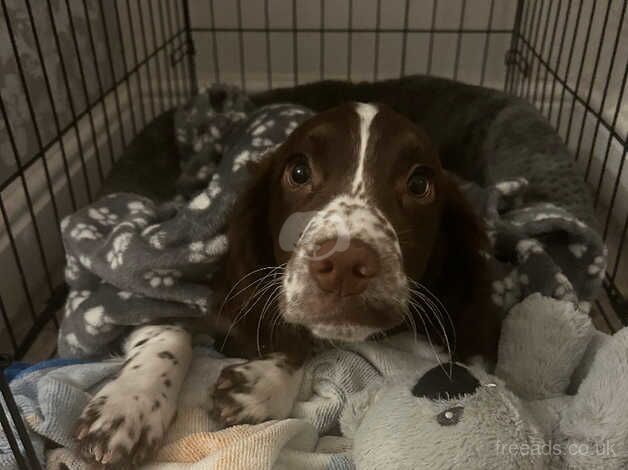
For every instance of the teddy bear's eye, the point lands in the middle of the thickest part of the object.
(450, 416)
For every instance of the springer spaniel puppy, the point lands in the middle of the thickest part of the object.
(350, 230)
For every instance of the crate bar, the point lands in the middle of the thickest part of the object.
(487, 41)
(14, 412)
(622, 242)
(404, 37)
(88, 106)
(549, 56)
(179, 22)
(279, 29)
(350, 40)
(83, 113)
(38, 138)
(536, 27)
(190, 48)
(90, 35)
(31, 210)
(8, 432)
(598, 55)
(295, 44)
(53, 107)
(569, 62)
(518, 78)
(575, 95)
(605, 161)
(7, 323)
(153, 31)
(378, 20)
(173, 35)
(269, 63)
(603, 103)
(54, 304)
(213, 32)
(463, 8)
(514, 39)
(124, 64)
(558, 61)
(432, 30)
(138, 76)
(16, 256)
(112, 71)
(526, 53)
(74, 123)
(612, 132)
(162, 28)
(541, 52)
(241, 45)
(149, 76)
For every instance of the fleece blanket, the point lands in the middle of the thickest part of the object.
(131, 261)
(51, 397)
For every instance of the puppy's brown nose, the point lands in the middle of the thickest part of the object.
(345, 272)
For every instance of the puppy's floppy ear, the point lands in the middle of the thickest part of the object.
(250, 243)
(463, 275)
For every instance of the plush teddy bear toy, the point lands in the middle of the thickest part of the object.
(558, 399)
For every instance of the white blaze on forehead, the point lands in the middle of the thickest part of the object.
(366, 113)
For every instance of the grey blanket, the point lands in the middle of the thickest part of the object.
(132, 261)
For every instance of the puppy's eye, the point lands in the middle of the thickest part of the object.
(299, 172)
(419, 183)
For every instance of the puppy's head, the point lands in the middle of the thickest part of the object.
(354, 208)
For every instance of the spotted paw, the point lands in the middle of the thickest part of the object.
(255, 391)
(121, 428)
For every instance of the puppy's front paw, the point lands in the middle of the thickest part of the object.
(116, 428)
(256, 391)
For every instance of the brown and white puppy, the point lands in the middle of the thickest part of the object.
(350, 230)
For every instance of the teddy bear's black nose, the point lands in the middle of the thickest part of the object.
(437, 383)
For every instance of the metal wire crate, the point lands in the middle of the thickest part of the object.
(80, 78)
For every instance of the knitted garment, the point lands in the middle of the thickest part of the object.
(51, 400)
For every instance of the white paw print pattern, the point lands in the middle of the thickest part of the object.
(261, 142)
(115, 256)
(203, 173)
(103, 215)
(564, 290)
(65, 222)
(292, 112)
(83, 231)
(201, 251)
(527, 247)
(577, 249)
(291, 127)
(125, 295)
(162, 277)
(158, 240)
(71, 268)
(598, 267)
(75, 299)
(203, 200)
(96, 321)
(509, 187)
(138, 207)
(241, 160)
(73, 342)
(507, 292)
(85, 261)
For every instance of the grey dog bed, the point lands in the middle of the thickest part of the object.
(133, 260)
(483, 136)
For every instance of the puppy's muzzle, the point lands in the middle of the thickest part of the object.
(344, 272)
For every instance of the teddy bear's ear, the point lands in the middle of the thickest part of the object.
(356, 407)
